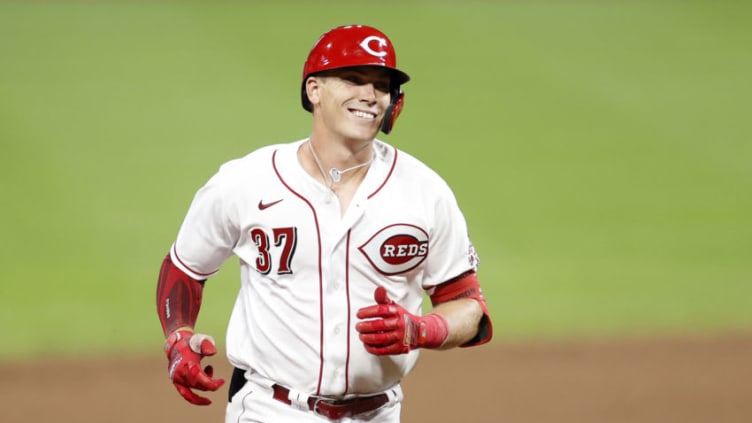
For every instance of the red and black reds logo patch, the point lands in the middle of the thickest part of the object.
(396, 248)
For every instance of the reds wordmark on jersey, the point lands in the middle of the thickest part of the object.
(280, 222)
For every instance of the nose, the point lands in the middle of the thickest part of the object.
(368, 92)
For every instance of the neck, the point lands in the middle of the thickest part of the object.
(341, 153)
(350, 163)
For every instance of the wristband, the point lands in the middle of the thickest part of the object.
(433, 330)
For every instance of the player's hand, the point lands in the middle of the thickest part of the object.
(184, 351)
(390, 329)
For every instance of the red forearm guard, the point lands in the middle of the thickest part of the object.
(466, 286)
(178, 298)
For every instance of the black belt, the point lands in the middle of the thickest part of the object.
(335, 409)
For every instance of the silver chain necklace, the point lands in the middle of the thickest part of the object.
(334, 173)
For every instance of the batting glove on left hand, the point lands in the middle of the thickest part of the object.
(394, 330)
(184, 351)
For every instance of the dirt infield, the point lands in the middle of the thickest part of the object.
(701, 379)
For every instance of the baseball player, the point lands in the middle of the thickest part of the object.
(339, 235)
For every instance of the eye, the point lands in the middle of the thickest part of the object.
(382, 86)
(354, 79)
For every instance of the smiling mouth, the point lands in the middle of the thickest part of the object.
(363, 114)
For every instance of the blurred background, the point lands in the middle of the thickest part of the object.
(601, 151)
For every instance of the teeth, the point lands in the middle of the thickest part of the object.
(364, 115)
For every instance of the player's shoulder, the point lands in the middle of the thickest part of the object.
(406, 165)
(258, 160)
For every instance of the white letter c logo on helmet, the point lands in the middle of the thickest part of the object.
(366, 44)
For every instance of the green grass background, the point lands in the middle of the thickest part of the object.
(602, 153)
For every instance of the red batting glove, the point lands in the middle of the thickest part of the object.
(393, 330)
(185, 350)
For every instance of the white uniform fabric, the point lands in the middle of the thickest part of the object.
(254, 403)
(306, 269)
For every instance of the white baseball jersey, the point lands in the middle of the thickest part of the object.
(306, 268)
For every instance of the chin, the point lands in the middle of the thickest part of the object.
(362, 134)
(370, 137)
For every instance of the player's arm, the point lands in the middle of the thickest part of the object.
(461, 303)
(462, 318)
(178, 304)
(178, 298)
(459, 318)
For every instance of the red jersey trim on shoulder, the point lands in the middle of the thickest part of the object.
(388, 176)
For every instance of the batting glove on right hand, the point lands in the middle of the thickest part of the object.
(184, 351)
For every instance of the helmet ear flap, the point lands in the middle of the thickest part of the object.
(393, 111)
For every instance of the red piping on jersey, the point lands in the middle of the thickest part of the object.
(389, 175)
(321, 276)
(347, 292)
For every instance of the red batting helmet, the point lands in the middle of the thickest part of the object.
(356, 45)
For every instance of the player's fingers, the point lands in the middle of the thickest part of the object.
(208, 348)
(214, 383)
(392, 349)
(204, 381)
(191, 375)
(191, 396)
(378, 310)
(202, 344)
(369, 326)
(368, 312)
(380, 339)
(378, 325)
(381, 296)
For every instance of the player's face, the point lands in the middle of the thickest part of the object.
(352, 102)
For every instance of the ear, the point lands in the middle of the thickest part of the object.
(312, 88)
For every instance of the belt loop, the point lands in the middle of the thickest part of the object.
(395, 394)
(298, 400)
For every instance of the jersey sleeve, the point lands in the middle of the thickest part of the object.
(453, 264)
(450, 251)
(209, 231)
